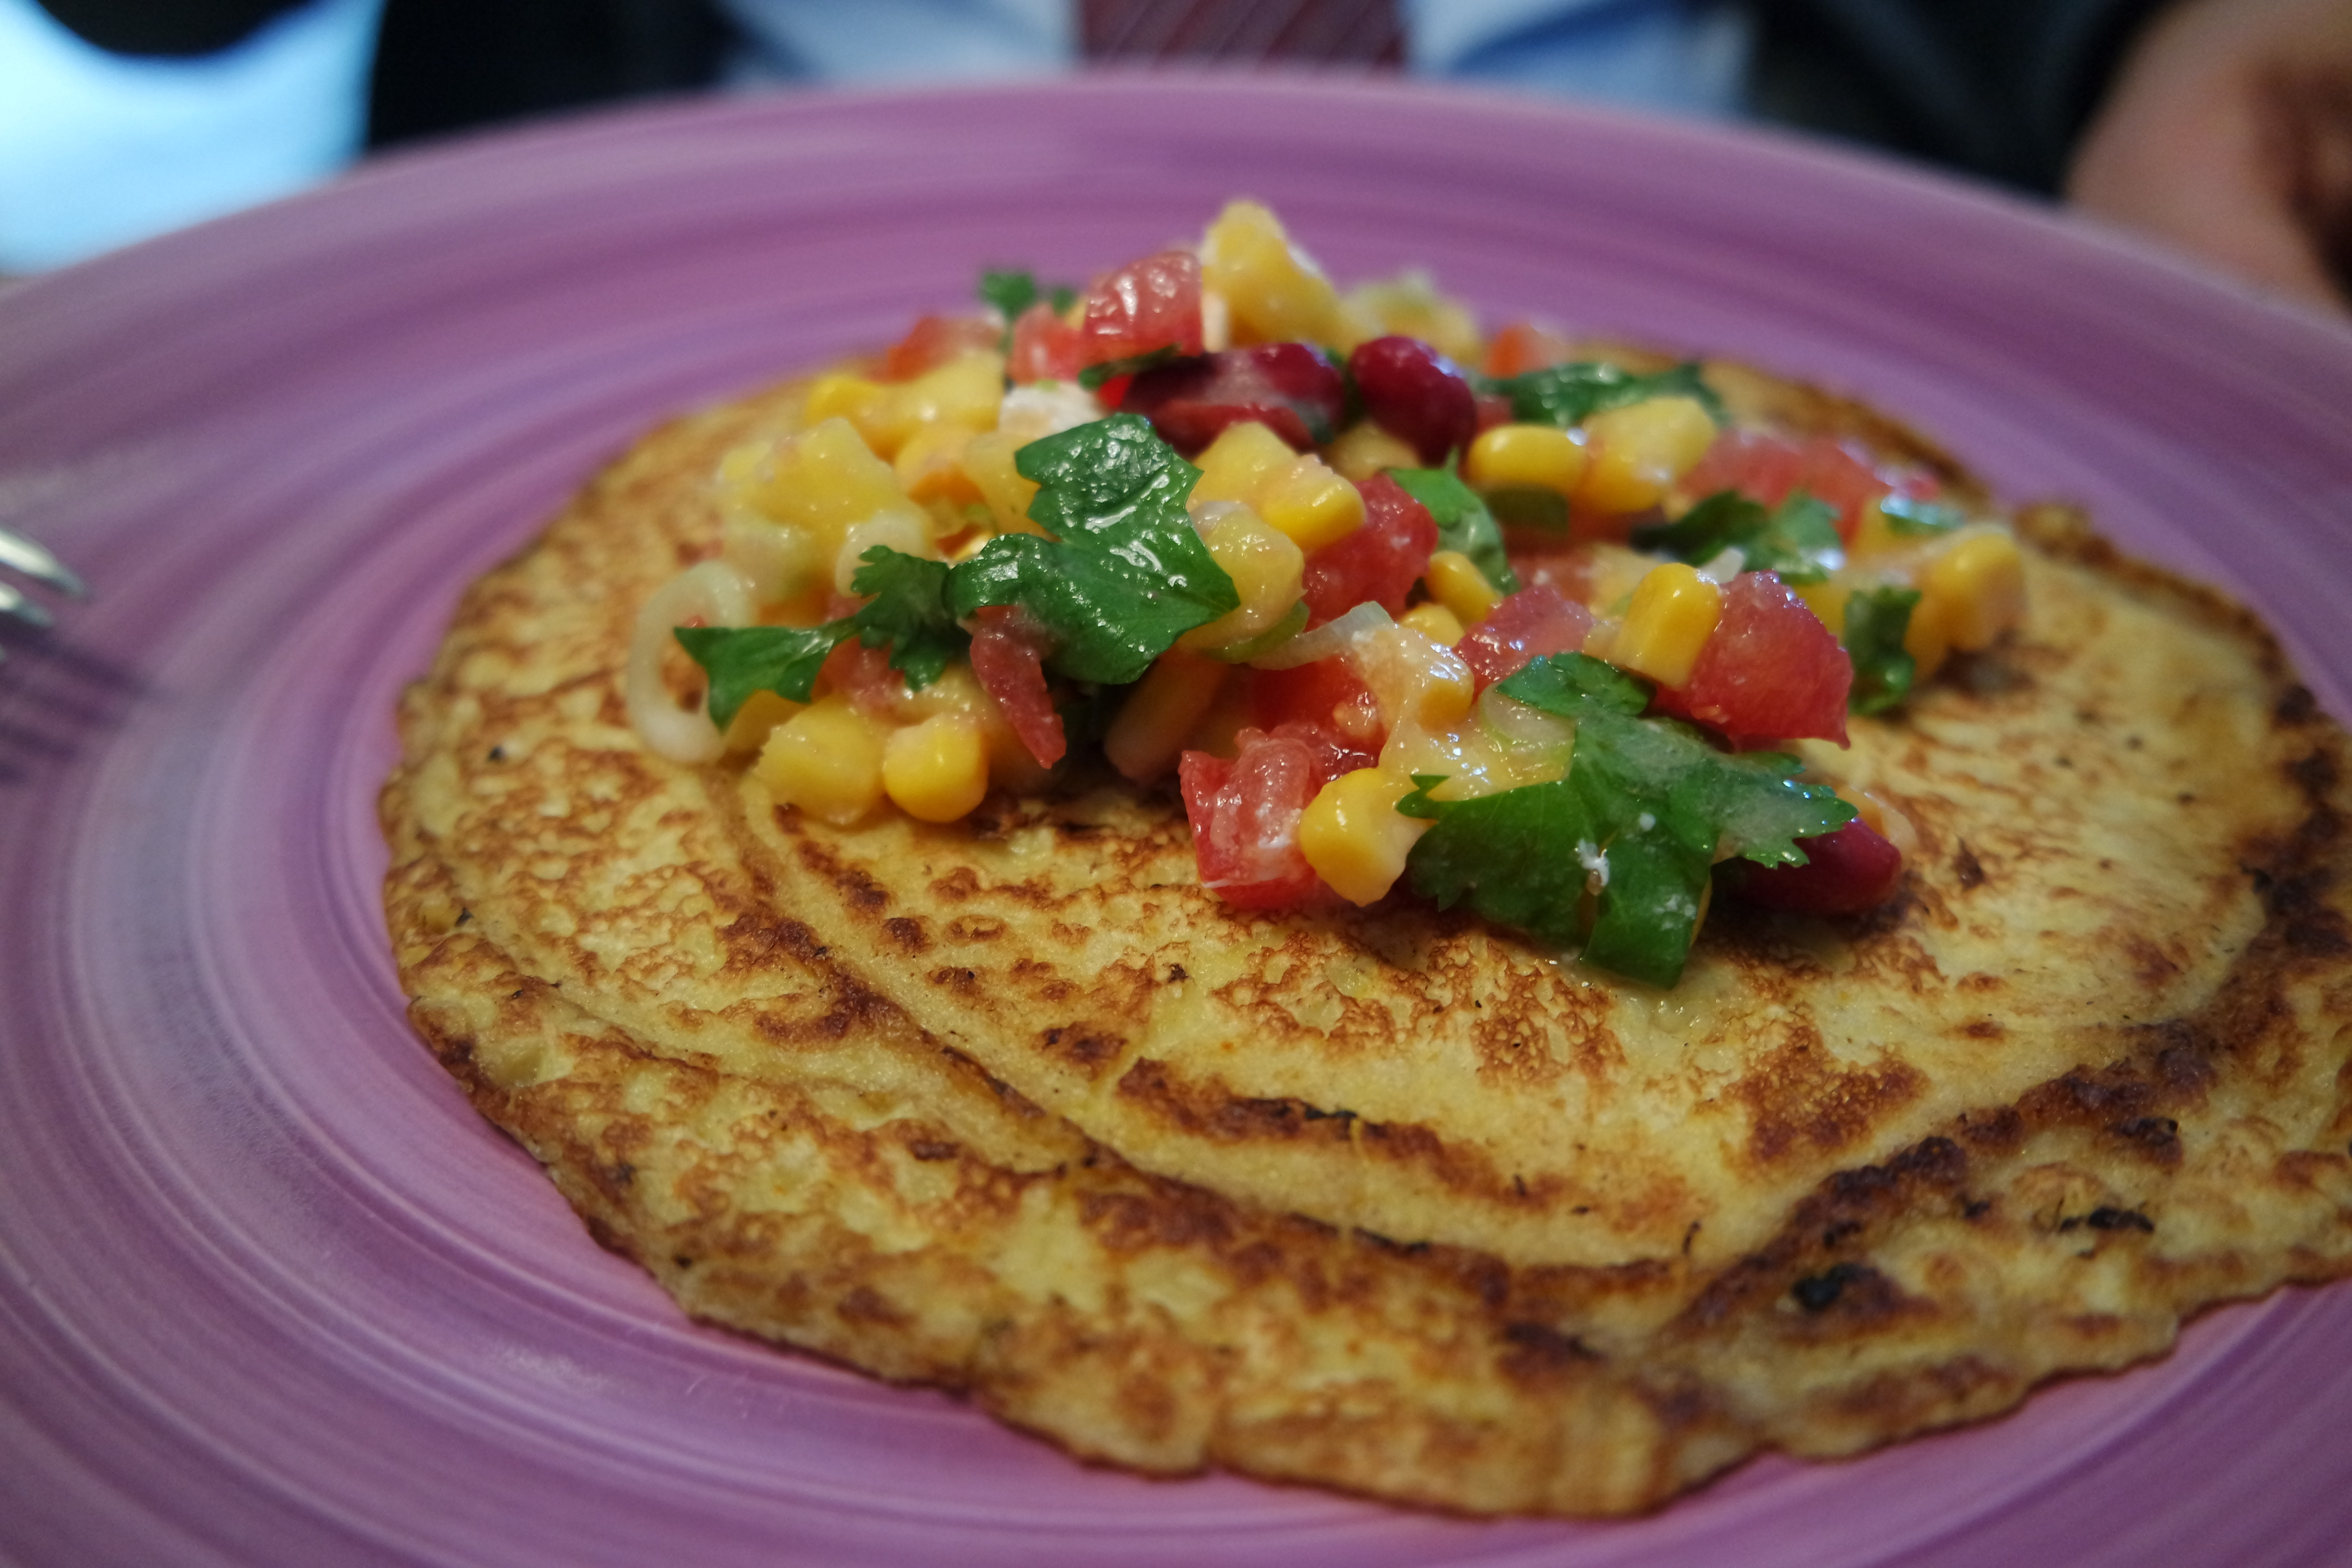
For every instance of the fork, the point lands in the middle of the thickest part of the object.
(23, 556)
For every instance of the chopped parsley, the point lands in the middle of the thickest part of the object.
(1012, 293)
(1566, 394)
(906, 613)
(1917, 518)
(1876, 620)
(1093, 376)
(1797, 539)
(1464, 523)
(1125, 573)
(1638, 821)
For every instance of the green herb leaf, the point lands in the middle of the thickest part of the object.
(909, 614)
(741, 660)
(1797, 539)
(1647, 799)
(1464, 523)
(1125, 573)
(1876, 622)
(1093, 375)
(1273, 637)
(1918, 518)
(1567, 394)
(1012, 293)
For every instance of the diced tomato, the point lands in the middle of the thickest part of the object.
(1044, 347)
(1770, 672)
(1326, 693)
(1244, 812)
(1493, 409)
(1523, 346)
(935, 341)
(1766, 467)
(1154, 303)
(1379, 563)
(1537, 620)
(1008, 659)
(1288, 387)
(1846, 872)
(863, 675)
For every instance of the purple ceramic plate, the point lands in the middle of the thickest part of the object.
(270, 1295)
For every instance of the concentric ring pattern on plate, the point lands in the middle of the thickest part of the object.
(271, 1295)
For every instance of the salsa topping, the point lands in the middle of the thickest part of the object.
(1530, 641)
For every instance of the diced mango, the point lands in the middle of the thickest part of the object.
(1417, 683)
(1977, 586)
(1276, 294)
(1639, 452)
(1242, 457)
(988, 463)
(931, 466)
(935, 770)
(1267, 566)
(1311, 503)
(761, 713)
(826, 760)
(1524, 457)
(1673, 614)
(824, 479)
(1353, 836)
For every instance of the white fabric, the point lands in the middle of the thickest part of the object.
(97, 150)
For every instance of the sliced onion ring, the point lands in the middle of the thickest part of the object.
(713, 592)
(1330, 640)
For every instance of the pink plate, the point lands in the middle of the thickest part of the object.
(270, 1295)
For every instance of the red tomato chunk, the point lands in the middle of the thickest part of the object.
(1154, 303)
(1326, 693)
(1535, 621)
(1846, 872)
(1244, 812)
(1766, 467)
(1380, 562)
(1771, 671)
(935, 341)
(1044, 347)
(1008, 659)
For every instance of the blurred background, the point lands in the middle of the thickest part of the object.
(2222, 127)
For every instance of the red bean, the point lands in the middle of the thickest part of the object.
(1416, 394)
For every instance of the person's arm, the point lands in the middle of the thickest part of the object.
(2227, 131)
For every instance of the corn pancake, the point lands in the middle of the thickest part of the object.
(1392, 1201)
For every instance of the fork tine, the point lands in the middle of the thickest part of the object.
(35, 561)
(14, 603)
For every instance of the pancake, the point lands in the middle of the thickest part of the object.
(1393, 1200)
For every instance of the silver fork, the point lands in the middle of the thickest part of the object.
(23, 556)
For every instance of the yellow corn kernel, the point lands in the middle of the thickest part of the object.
(1455, 581)
(1267, 568)
(988, 462)
(1311, 504)
(825, 760)
(1165, 705)
(1364, 449)
(1871, 536)
(1927, 637)
(1275, 293)
(1640, 451)
(761, 713)
(824, 479)
(1978, 584)
(1524, 457)
(1418, 684)
(1827, 600)
(1353, 836)
(935, 770)
(1434, 621)
(842, 397)
(931, 466)
(1673, 614)
(1242, 457)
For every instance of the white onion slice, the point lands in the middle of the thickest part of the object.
(713, 592)
(777, 560)
(1330, 640)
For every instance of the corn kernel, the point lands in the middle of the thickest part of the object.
(825, 760)
(935, 770)
(1827, 600)
(1166, 704)
(1434, 621)
(1673, 614)
(1244, 457)
(1455, 581)
(1353, 836)
(1311, 504)
(1267, 566)
(1364, 449)
(761, 713)
(1524, 457)
(1639, 452)
(1273, 292)
(1979, 588)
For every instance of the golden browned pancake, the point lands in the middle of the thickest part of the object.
(1393, 1200)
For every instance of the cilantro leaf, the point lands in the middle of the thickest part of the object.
(1464, 523)
(908, 613)
(1093, 375)
(1917, 518)
(741, 660)
(1797, 539)
(1876, 622)
(1012, 293)
(1647, 800)
(1566, 394)
(1125, 573)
